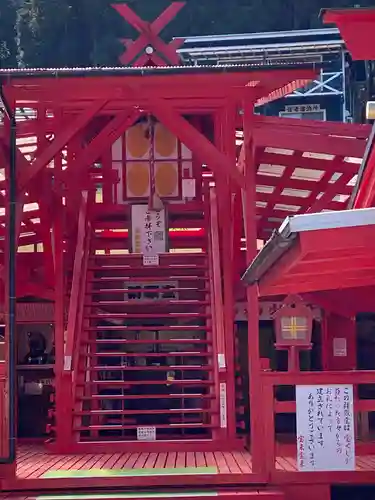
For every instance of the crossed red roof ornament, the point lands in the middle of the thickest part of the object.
(149, 49)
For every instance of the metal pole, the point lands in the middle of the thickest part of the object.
(11, 269)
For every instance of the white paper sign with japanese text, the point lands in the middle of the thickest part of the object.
(149, 235)
(146, 433)
(223, 405)
(325, 428)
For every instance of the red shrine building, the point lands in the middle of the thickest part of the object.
(134, 361)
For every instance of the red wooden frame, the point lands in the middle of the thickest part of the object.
(344, 257)
(244, 202)
(356, 27)
(149, 49)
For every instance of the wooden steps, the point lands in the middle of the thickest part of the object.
(154, 366)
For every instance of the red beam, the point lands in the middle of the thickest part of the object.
(60, 141)
(149, 37)
(331, 190)
(284, 89)
(360, 131)
(28, 128)
(78, 169)
(204, 150)
(334, 281)
(357, 28)
(311, 143)
(300, 184)
(365, 196)
(330, 304)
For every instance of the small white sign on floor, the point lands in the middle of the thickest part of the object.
(325, 428)
(146, 433)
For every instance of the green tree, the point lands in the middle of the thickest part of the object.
(41, 33)
(53, 33)
(7, 33)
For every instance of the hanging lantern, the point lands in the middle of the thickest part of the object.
(293, 323)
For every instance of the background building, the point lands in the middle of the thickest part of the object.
(338, 94)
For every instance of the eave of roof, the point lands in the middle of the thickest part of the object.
(346, 10)
(283, 239)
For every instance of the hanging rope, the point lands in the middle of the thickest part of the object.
(154, 203)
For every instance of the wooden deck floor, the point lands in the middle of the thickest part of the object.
(33, 463)
(40, 470)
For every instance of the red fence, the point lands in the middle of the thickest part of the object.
(273, 380)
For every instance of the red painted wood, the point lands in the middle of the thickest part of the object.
(59, 325)
(307, 142)
(259, 459)
(201, 147)
(235, 467)
(325, 128)
(227, 145)
(48, 153)
(356, 27)
(365, 194)
(105, 138)
(336, 326)
(77, 283)
(149, 37)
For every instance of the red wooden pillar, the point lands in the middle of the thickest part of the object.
(339, 349)
(218, 330)
(256, 393)
(225, 142)
(59, 273)
(44, 192)
(107, 185)
(237, 232)
(64, 396)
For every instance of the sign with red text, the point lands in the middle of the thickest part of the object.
(325, 428)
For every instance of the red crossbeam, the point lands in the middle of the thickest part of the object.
(149, 48)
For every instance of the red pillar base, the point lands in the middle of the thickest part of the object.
(308, 492)
(7, 471)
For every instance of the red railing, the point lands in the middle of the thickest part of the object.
(75, 320)
(272, 380)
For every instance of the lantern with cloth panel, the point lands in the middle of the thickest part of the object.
(293, 327)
